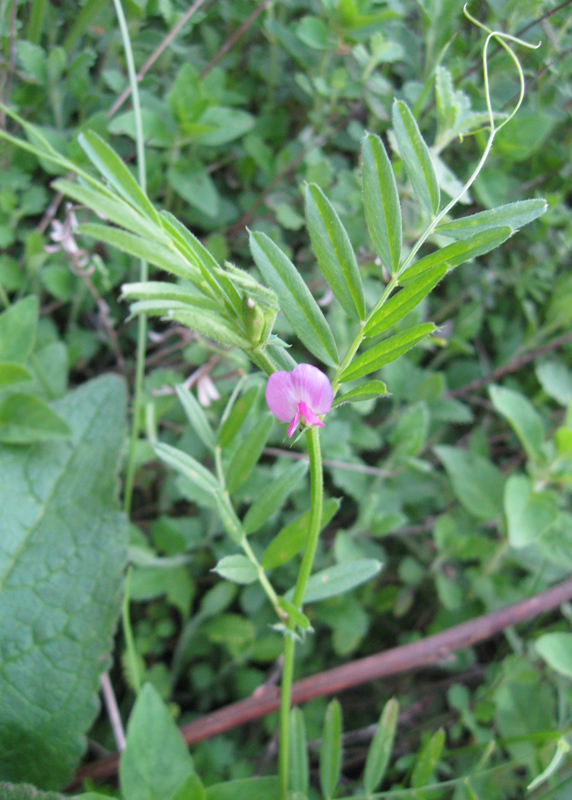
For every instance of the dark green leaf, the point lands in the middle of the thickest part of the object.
(26, 418)
(331, 750)
(192, 182)
(427, 760)
(513, 215)
(246, 457)
(381, 747)
(188, 466)
(266, 788)
(523, 418)
(556, 650)
(234, 417)
(298, 762)
(386, 351)
(292, 538)
(296, 301)
(477, 483)
(18, 329)
(529, 514)
(416, 157)
(268, 503)
(334, 252)
(381, 202)
(196, 416)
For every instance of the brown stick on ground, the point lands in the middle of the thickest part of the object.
(427, 651)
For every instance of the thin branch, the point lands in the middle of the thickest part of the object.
(232, 40)
(430, 650)
(112, 712)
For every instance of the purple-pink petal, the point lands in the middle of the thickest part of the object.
(281, 396)
(313, 388)
(294, 424)
(309, 416)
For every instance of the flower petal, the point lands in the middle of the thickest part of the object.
(294, 424)
(309, 417)
(281, 396)
(313, 388)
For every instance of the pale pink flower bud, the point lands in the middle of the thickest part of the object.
(305, 394)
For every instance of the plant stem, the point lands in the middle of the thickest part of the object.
(143, 271)
(317, 499)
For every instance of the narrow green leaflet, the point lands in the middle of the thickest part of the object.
(381, 747)
(268, 503)
(211, 324)
(165, 292)
(266, 788)
(227, 514)
(427, 760)
(331, 750)
(62, 556)
(292, 538)
(106, 160)
(296, 616)
(515, 215)
(386, 351)
(556, 650)
(477, 483)
(18, 329)
(339, 579)
(454, 254)
(246, 456)
(334, 252)
(381, 202)
(196, 416)
(416, 157)
(237, 569)
(26, 418)
(523, 418)
(296, 301)
(235, 415)
(298, 765)
(404, 301)
(156, 761)
(188, 466)
(367, 391)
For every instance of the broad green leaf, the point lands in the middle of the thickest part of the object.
(298, 765)
(191, 789)
(237, 569)
(63, 552)
(556, 650)
(188, 466)
(331, 750)
(334, 251)
(381, 202)
(292, 538)
(266, 788)
(220, 125)
(367, 391)
(156, 761)
(148, 250)
(404, 301)
(235, 415)
(454, 254)
(528, 513)
(296, 301)
(165, 292)
(24, 791)
(523, 419)
(246, 457)
(26, 418)
(18, 330)
(13, 374)
(515, 215)
(112, 168)
(270, 501)
(477, 483)
(191, 181)
(427, 760)
(196, 416)
(339, 579)
(386, 351)
(381, 747)
(416, 157)
(556, 381)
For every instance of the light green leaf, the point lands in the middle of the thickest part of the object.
(18, 329)
(386, 351)
(381, 747)
(334, 252)
(192, 182)
(26, 418)
(188, 466)
(246, 457)
(404, 301)
(339, 579)
(196, 416)
(156, 761)
(454, 254)
(556, 381)
(266, 788)
(63, 552)
(296, 301)
(164, 292)
(270, 501)
(237, 569)
(331, 750)
(427, 760)
(298, 765)
(211, 324)
(513, 215)
(416, 157)
(13, 374)
(220, 125)
(106, 160)
(381, 202)
(367, 391)
(235, 415)
(477, 483)
(556, 650)
(528, 513)
(523, 419)
(292, 538)
(228, 517)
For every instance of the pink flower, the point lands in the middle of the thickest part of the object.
(303, 394)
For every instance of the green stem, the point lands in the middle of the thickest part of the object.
(143, 271)
(317, 499)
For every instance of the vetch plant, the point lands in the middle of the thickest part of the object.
(303, 395)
